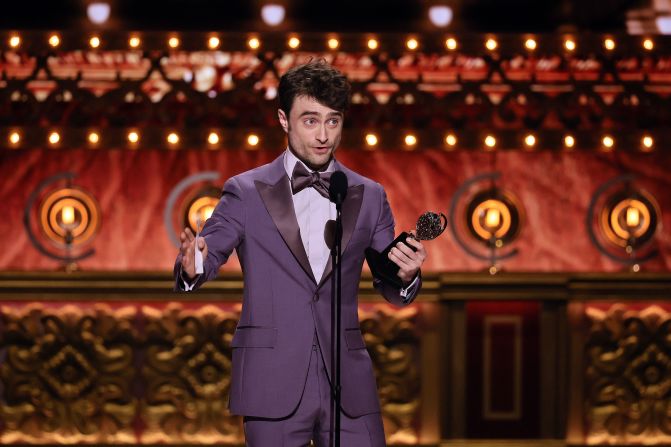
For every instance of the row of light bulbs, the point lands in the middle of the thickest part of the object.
(294, 42)
(371, 139)
(133, 137)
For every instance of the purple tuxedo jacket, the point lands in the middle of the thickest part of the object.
(284, 305)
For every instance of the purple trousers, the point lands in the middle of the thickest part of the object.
(312, 419)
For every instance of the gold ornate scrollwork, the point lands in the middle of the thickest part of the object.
(393, 342)
(67, 375)
(187, 371)
(628, 374)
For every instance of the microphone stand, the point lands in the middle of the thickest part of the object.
(336, 314)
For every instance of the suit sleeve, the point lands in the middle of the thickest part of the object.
(223, 232)
(382, 236)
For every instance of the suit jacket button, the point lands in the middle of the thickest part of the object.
(315, 297)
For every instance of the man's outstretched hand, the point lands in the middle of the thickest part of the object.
(408, 260)
(187, 250)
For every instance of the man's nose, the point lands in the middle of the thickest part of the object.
(322, 135)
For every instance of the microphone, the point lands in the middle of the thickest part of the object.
(338, 187)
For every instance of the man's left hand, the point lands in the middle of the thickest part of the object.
(408, 260)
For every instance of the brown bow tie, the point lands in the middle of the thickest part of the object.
(301, 178)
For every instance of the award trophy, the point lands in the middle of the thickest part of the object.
(430, 225)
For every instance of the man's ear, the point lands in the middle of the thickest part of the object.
(284, 120)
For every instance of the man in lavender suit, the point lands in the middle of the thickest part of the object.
(277, 217)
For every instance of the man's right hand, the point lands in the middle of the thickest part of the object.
(187, 250)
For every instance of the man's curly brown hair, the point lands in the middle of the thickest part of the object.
(318, 80)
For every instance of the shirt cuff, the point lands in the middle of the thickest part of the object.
(188, 284)
(408, 292)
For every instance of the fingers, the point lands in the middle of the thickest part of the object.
(418, 245)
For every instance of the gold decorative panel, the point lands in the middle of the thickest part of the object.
(628, 375)
(67, 375)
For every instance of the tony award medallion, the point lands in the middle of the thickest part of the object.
(430, 225)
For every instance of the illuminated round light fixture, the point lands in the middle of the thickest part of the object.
(173, 138)
(530, 141)
(94, 137)
(569, 44)
(253, 140)
(70, 216)
(372, 44)
(254, 43)
(494, 217)
(490, 141)
(213, 43)
(14, 138)
(272, 14)
(133, 137)
(608, 142)
(54, 138)
(609, 44)
(15, 41)
(451, 43)
(647, 143)
(173, 42)
(98, 12)
(451, 140)
(200, 208)
(491, 44)
(440, 15)
(54, 40)
(333, 43)
(530, 44)
(213, 138)
(569, 141)
(648, 44)
(134, 42)
(94, 42)
(410, 141)
(294, 42)
(371, 139)
(412, 44)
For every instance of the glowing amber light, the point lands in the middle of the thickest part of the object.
(134, 42)
(94, 42)
(451, 43)
(133, 137)
(451, 140)
(608, 142)
(569, 44)
(213, 42)
(213, 138)
(68, 215)
(648, 44)
(94, 138)
(530, 140)
(530, 44)
(14, 41)
(371, 139)
(490, 141)
(412, 44)
(254, 43)
(14, 138)
(648, 142)
(294, 42)
(569, 141)
(253, 140)
(207, 212)
(492, 218)
(173, 42)
(491, 44)
(54, 138)
(333, 43)
(372, 44)
(173, 138)
(633, 217)
(410, 140)
(609, 44)
(54, 40)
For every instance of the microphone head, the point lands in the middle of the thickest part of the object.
(338, 187)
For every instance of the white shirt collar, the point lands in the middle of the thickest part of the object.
(290, 161)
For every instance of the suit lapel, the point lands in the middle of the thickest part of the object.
(350, 213)
(280, 206)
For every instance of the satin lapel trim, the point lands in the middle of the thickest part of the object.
(350, 213)
(277, 199)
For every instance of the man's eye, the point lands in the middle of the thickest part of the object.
(310, 121)
(333, 122)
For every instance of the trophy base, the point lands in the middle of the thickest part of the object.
(384, 268)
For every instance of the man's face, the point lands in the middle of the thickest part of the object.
(313, 129)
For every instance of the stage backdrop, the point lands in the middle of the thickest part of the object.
(132, 187)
